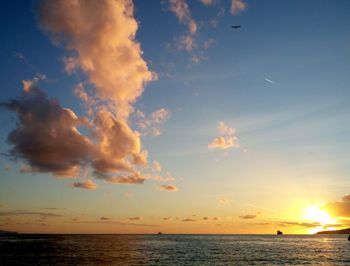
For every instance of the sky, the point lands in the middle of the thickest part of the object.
(157, 116)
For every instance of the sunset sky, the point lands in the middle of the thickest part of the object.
(145, 116)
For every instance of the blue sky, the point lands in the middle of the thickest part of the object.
(281, 81)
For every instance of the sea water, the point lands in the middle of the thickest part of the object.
(174, 250)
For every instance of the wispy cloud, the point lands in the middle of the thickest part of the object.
(152, 125)
(29, 213)
(224, 201)
(23, 58)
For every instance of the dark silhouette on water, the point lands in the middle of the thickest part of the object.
(279, 232)
(3, 232)
(341, 231)
(236, 26)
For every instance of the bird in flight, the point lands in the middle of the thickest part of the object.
(236, 26)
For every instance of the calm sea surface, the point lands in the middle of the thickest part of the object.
(174, 250)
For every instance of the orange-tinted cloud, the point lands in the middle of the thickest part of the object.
(237, 6)
(88, 184)
(152, 125)
(169, 188)
(131, 179)
(105, 49)
(340, 208)
(208, 2)
(181, 10)
(226, 140)
(157, 166)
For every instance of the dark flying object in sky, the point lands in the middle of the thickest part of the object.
(236, 26)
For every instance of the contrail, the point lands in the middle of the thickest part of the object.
(270, 81)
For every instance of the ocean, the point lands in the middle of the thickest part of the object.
(174, 250)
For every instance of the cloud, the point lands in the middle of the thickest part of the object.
(270, 81)
(114, 222)
(46, 136)
(248, 216)
(105, 49)
(166, 218)
(237, 6)
(131, 179)
(128, 194)
(29, 213)
(181, 10)
(54, 209)
(88, 184)
(340, 208)
(136, 218)
(104, 218)
(152, 125)
(208, 2)
(224, 201)
(157, 166)
(189, 220)
(29, 83)
(24, 59)
(226, 140)
(169, 188)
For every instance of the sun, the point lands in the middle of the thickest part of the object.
(315, 214)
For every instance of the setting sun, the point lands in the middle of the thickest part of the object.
(315, 214)
(130, 127)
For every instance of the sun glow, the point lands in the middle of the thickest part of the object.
(313, 213)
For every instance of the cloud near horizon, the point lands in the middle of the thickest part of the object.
(248, 216)
(29, 213)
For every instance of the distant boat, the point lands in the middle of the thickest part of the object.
(279, 232)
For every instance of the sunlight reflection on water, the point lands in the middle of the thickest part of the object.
(174, 250)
